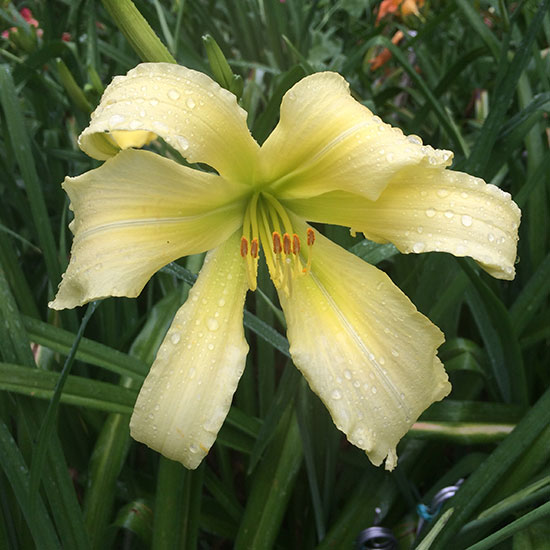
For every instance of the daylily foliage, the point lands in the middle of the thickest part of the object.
(361, 344)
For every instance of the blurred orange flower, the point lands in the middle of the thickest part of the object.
(385, 55)
(401, 7)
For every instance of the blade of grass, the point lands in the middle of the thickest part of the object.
(23, 154)
(476, 488)
(481, 151)
(59, 487)
(286, 391)
(531, 495)
(192, 503)
(48, 425)
(12, 322)
(509, 530)
(170, 494)
(78, 390)
(88, 351)
(16, 278)
(475, 20)
(498, 335)
(303, 412)
(531, 297)
(14, 466)
(442, 115)
(271, 487)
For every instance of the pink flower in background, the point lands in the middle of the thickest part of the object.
(26, 14)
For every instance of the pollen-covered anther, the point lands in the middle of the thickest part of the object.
(287, 244)
(277, 245)
(295, 244)
(254, 248)
(310, 243)
(310, 236)
(244, 247)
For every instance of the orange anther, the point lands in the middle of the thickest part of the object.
(286, 243)
(254, 247)
(244, 247)
(295, 244)
(310, 236)
(277, 247)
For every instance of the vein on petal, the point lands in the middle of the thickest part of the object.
(152, 221)
(386, 381)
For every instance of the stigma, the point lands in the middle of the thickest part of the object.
(267, 223)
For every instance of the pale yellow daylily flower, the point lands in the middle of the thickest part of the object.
(362, 345)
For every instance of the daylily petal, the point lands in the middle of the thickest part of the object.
(364, 349)
(136, 213)
(427, 209)
(186, 108)
(327, 141)
(187, 394)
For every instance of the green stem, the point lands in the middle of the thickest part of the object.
(137, 31)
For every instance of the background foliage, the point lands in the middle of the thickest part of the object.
(469, 76)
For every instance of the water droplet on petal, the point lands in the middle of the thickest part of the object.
(414, 139)
(210, 347)
(373, 389)
(395, 353)
(418, 247)
(175, 338)
(466, 220)
(221, 302)
(336, 394)
(442, 193)
(449, 214)
(116, 119)
(183, 143)
(430, 212)
(490, 237)
(347, 374)
(193, 448)
(174, 94)
(212, 324)
(191, 103)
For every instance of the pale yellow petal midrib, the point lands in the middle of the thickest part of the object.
(384, 379)
(310, 161)
(151, 221)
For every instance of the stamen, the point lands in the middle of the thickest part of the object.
(244, 247)
(250, 233)
(277, 247)
(254, 247)
(280, 211)
(286, 243)
(295, 244)
(310, 236)
(310, 242)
